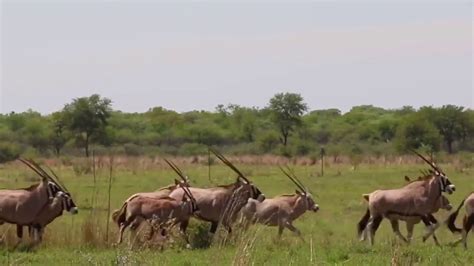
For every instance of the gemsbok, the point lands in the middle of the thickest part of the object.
(281, 211)
(220, 205)
(411, 221)
(416, 199)
(158, 209)
(61, 202)
(468, 220)
(22, 206)
(118, 216)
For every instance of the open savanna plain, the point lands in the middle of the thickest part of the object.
(329, 235)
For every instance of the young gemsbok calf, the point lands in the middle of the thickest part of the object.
(160, 210)
(281, 211)
(416, 199)
(468, 221)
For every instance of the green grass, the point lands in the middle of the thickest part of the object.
(329, 234)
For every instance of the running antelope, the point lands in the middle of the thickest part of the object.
(220, 205)
(158, 209)
(411, 221)
(418, 198)
(281, 211)
(468, 221)
(118, 216)
(22, 206)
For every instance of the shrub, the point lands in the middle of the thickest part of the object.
(8, 152)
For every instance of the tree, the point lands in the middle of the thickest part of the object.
(415, 131)
(451, 122)
(87, 118)
(287, 110)
(58, 139)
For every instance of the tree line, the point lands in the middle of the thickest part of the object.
(284, 126)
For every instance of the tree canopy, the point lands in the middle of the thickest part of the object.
(237, 129)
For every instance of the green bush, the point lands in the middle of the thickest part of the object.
(8, 152)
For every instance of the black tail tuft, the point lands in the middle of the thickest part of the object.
(450, 222)
(363, 223)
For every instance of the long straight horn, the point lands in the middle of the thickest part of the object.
(293, 180)
(229, 164)
(427, 161)
(176, 169)
(47, 175)
(190, 195)
(187, 192)
(27, 163)
(296, 178)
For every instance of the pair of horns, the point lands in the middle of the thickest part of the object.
(177, 170)
(187, 191)
(291, 175)
(42, 173)
(229, 164)
(184, 178)
(432, 164)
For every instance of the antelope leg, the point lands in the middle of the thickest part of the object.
(213, 227)
(374, 222)
(468, 225)
(280, 229)
(122, 229)
(410, 227)
(293, 229)
(432, 225)
(435, 239)
(19, 231)
(396, 229)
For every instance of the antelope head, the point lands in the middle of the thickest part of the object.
(444, 183)
(302, 191)
(67, 204)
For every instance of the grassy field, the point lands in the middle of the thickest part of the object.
(329, 235)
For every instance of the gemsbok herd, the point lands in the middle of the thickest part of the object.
(241, 201)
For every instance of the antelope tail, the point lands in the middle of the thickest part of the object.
(363, 223)
(366, 196)
(450, 222)
(118, 216)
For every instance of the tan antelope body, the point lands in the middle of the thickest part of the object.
(118, 216)
(411, 221)
(221, 204)
(21, 206)
(280, 211)
(468, 220)
(418, 198)
(159, 209)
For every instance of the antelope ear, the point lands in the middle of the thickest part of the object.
(298, 192)
(176, 182)
(407, 178)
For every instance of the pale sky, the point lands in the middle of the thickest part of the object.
(187, 56)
